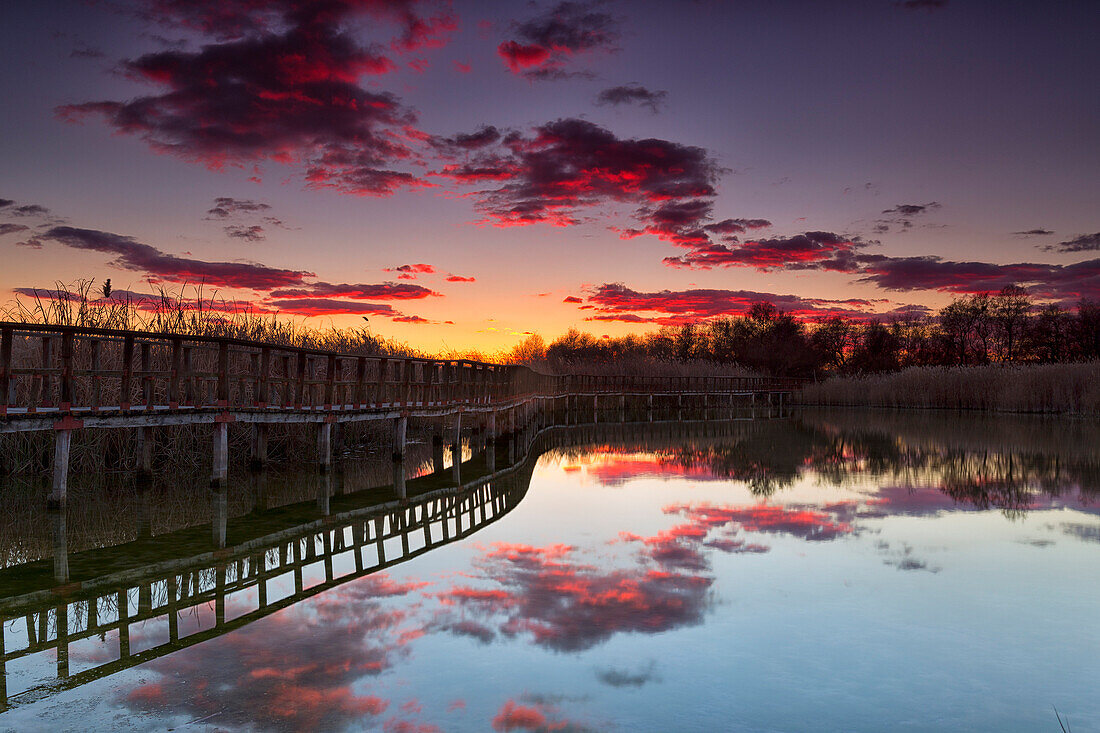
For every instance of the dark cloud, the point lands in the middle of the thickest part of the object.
(4, 203)
(1058, 282)
(226, 207)
(30, 210)
(548, 41)
(329, 307)
(411, 319)
(572, 299)
(1040, 232)
(136, 256)
(902, 215)
(7, 228)
(1083, 243)
(571, 165)
(460, 279)
(484, 136)
(736, 226)
(86, 52)
(632, 94)
(779, 252)
(358, 291)
(929, 5)
(281, 85)
(616, 302)
(254, 233)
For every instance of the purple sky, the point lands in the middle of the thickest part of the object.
(462, 173)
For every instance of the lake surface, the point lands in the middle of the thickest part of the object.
(829, 571)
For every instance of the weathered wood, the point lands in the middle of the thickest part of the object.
(127, 373)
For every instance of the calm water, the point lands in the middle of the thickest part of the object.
(830, 571)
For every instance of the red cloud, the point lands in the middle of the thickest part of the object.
(572, 299)
(460, 279)
(281, 84)
(303, 683)
(519, 57)
(411, 272)
(569, 606)
(550, 39)
(570, 165)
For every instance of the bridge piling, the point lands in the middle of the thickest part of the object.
(400, 430)
(258, 458)
(324, 446)
(220, 470)
(59, 490)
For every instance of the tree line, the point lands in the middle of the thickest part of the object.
(983, 328)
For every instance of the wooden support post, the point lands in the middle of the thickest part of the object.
(145, 454)
(324, 446)
(123, 603)
(456, 430)
(263, 381)
(220, 472)
(399, 479)
(330, 382)
(400, 428)
(60, 547)
(62, 441)
(300, 393)
(219, 504)
(456, 464)
(258, 458)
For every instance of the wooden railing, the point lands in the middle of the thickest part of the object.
(71, 369)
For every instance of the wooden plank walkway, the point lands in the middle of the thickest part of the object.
(66, 378)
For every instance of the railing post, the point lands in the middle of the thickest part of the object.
(380, 396)
(223, 374)
(300, 393)
(127, 373)
(7, 385)
(360, 382)
(146, 378)
(66, 401)
(330, 381)
(263, 386)
(44, 381)
(174, 374)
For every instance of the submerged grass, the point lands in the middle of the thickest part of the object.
(1040, 388)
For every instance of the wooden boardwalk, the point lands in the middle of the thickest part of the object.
(66, 378)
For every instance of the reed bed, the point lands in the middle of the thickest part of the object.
(1034, 388)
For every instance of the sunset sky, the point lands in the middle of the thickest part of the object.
(463, 173)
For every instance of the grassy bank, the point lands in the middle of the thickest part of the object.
(1039, 388)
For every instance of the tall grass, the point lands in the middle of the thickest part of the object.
(1038, 388)
(188, 311)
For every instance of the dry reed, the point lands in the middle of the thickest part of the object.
(1037, 388)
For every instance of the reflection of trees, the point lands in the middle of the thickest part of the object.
(1006, 462)
(767, 459)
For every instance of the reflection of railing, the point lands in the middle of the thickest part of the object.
(309, 558)
(338, 548)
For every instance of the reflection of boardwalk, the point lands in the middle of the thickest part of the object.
(221, 589)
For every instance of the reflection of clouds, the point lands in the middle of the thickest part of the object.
(570, 606)
(808, 524)
(533, 715)
(1087, 532)
(304, 681)
(904, 559)
(625, 678)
